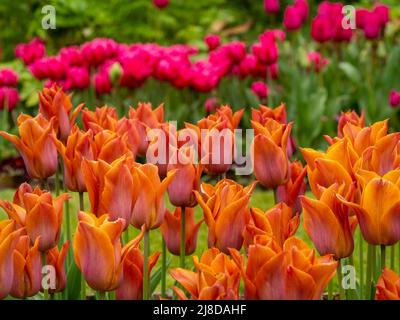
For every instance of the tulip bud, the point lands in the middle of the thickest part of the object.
(387, 286)
(394, 98)
(170, 229)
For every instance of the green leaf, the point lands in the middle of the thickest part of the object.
(155, 279)
(351, 72)
(74, 282)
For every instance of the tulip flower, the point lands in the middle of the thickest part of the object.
(35, 145)
(111, 146)
(111, 188)
(321, 29)
(276, 224)
(216, 278)
(294, 273)
(149, 207)
(326, 169)
(377, 211)
(147, 118)
(213, 41)
(269, 153)
(263, 114)
(292, 18)
(102, 118)
(289, 193)
(56, 258)
(40, 214)
(394, 98)
(53, 102)
(8, 77)
(31, 51)
(9, 238)
(316, 61)
(161, 4)
(79, 146)
(327, 223)
(170, 229)
(271, 6)
(186, 179)
(27, 269)
(131, 287)
(388, 286)
(97, 250)
(350, 117)
(225, 204)
(9, 98)
(260, 89)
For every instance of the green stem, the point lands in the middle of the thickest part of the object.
(351, 292)
(146, 278)
(330, 290)
(83, 282)
(392, 252)
(383, 257)
(81, 202)
(57, 181)
(102, 295)
(45, 291)
(183, 238)
(339, 276)
(126, 235)
(368, 276)
(163, 268)
(373, 271)
(275, 195)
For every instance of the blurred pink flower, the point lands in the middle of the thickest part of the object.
(316, 62)
(161, 3)
(8, 77)
(9, 98)
(31, 51)
(302, 6)
(77, 78)
(213, 41)
(102, 83)
(292, 18)
(260, 89)
(394, 98)
(211, 105)
(271, 6)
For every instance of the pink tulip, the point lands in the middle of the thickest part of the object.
(161, 4)
(292, 18)
(31, 51)
(9, 98)
(213, 41)
(8, 78)
(271, 6)
(260, 89)
(394, 98)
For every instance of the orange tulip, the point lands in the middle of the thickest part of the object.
(269, 153)
(289, 193)
(294, 273)
(225, 212)
(27, 269)
(111, 146)
(350, 117)
(9, 238)
(131, 287)
(327, 223)
(216, 278)
(104, 118)
(161, 142)
(147, 118)
(378, 210)
(264, 113)
(39, 213)
(56, 258)
(222, 114)
(334, 167)
(149, 207)
(80, 145)
(111, 188)
(35, 145)
(276, 224)
(53, 102)
(97, 250)
(187, 178)
(170, 229)
(388, 286)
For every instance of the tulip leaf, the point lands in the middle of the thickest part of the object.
(74, 282)
(350, 71)
(155, 278)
